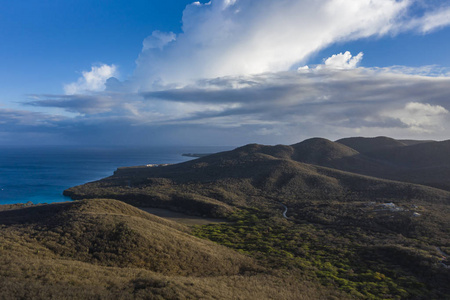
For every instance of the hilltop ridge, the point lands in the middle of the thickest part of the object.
(363, 145)
(314, 168)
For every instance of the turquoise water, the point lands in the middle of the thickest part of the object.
(40, 175)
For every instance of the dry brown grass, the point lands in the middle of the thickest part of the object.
(36, 278)
(181, 217)
(70, 251)
(111, 233)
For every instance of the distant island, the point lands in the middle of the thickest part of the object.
(356, 218)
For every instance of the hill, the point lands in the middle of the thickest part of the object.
(111, 233)
(106, 249)
(215, 185)
(303, 221)
(320, 151)
(422, 162)
(368, 236)
(364, 145)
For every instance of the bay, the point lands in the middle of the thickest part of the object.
(41, 174)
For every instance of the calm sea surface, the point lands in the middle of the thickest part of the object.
(40, 175)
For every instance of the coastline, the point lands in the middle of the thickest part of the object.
(41, 174)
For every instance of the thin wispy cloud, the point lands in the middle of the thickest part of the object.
(79, 104)
(14, 117)
(431, 20)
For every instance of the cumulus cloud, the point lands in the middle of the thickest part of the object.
(232, 76)
(339, 61)
(343, 61)
(229, 38)
(420, 117)
(92, 81)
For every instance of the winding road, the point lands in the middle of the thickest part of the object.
(285, 211)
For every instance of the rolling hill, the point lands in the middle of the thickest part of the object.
(422, 162)
(106, 249)
(216, 184)
(351, 222)
(364, 145)
(313, 220)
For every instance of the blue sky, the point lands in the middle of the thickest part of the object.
(226, 72)
(48, 43)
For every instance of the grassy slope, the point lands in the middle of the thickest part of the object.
(105, 249)
(111, 233)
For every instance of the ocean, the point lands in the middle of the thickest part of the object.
(41, 174)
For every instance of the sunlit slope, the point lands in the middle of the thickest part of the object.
(106, 249)
(112, 233)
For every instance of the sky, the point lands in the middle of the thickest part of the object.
(223, 72)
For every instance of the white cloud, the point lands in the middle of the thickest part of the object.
(282, 107)
(426, 109)
(303, 69)
(361, 98)
(343, 61)
(92, 81)
(431, 20)
(435, 20)
(229, 38)
(228, 74)
(420, 117)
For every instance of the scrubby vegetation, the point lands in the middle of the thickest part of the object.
(346, 235)
(105, 249)
(364, 262)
